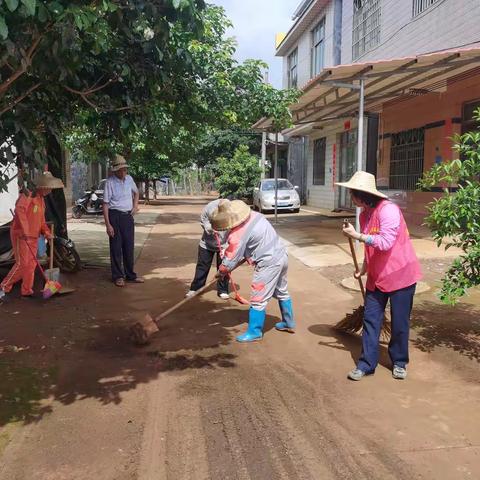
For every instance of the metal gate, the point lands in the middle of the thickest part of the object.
(406, 159)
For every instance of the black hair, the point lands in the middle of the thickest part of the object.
(367, 198)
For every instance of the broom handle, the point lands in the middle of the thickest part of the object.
(185, 300)
(357, 269)
(51, 246)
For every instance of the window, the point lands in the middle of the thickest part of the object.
(319, 154)
(269, 185)
(318, 48)
(420, 6)
(292, 69)
(366, 26)
(406, 159)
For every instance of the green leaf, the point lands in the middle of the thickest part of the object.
(3, 29)
(176, 3)
(30, 5)
(42, 13)
(12, 4)
(55, 7)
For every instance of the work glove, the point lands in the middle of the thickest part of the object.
(222, 272)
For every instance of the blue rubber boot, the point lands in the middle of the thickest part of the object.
(254, 333)
(288, 322)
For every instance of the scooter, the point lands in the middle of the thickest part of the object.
(91, 203)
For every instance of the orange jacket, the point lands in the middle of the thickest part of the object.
(29, 218)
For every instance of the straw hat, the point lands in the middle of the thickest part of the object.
(118, 163)
(364, 182)
(47, 180)
(230, 214)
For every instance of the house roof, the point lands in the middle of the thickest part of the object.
(324, 99)
(307, 17)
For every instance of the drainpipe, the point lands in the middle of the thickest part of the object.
(337, 32)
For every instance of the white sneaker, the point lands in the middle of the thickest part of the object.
(224, 296)
(2, 294)
(191, 293)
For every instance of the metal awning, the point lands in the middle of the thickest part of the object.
(325, 98)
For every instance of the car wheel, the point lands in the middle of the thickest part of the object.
(296, 210)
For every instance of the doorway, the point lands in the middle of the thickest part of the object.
(347, 166)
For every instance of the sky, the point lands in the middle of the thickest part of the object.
(256, 22)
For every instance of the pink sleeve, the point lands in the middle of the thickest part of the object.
(389, 217)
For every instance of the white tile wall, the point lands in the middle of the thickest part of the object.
(304, 45)
(446, 24)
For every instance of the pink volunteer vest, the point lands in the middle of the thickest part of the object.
(393, 269)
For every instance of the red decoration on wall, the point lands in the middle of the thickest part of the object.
(347, 125)
(334, 165)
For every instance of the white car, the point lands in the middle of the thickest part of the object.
(287, 196)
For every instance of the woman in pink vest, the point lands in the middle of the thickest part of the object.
(393, 271)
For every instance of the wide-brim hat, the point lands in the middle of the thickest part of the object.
(229, 214)
(364, 182)
(118, 163)
(47, 180)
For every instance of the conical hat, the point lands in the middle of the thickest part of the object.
(47, 180)
(229, 214)
(363, 181)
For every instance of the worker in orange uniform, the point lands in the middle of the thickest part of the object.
(28, 224)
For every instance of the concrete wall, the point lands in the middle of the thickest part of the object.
(446, 24)
(304, 45)
(8, 198)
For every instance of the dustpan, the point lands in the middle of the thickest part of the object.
(54, 275)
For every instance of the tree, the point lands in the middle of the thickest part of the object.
(108, 58)
(455, 217)
(238, 176)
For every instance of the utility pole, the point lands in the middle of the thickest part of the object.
(276, 177)
(263, 160)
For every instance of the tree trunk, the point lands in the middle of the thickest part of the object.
(58, 204)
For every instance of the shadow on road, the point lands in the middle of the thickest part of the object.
(456, 328)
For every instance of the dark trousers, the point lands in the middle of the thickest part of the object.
(401, 303)
(122, 245)
(204, 262)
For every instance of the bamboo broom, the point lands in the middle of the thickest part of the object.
(353, 322)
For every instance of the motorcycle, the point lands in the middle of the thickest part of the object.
(91, 203)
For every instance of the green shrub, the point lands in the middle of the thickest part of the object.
(238, 176)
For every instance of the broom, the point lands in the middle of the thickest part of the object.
(353, 322)
(51, 286)
(142, 331)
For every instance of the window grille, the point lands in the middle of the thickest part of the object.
(366, 26)
(318, 48)
(406, 159)
(319, 157)
(292, 69)
(420, 6)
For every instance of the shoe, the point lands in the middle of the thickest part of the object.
(137, 280)
(3, 295)
(254, 333)
(288, 323)
(190, 293)
(119, 282)
(399, 373)
(224, 296)
(356, 374)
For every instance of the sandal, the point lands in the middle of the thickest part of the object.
(137, 280)
(120, 282)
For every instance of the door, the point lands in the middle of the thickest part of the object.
(347, 166)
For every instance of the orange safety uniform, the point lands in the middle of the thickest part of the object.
(28, 224)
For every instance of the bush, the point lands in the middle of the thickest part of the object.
(238, 176)
(455, 217)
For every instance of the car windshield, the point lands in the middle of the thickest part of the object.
(269, 185)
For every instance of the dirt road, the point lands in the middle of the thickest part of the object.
(80, 403)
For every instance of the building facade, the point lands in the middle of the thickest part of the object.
(403, 137)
